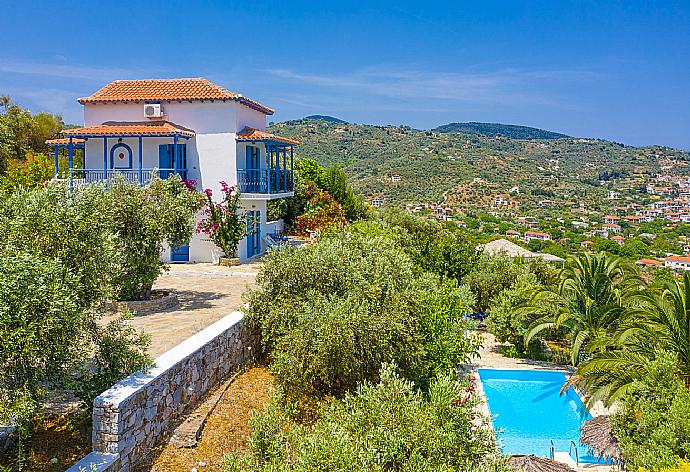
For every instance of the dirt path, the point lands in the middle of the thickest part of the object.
(226, 430)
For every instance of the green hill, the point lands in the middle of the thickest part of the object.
(498, 129)
(326, 118)
(468, 169)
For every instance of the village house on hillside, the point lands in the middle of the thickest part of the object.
(677, 262)
(190, 127)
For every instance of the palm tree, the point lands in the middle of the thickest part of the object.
(589, 300)
(658, 321)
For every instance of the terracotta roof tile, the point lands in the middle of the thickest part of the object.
(251, 134)
(65, 141)
(144, 128)
(168, 90)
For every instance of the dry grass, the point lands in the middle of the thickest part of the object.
(62, 439)
(226, 430)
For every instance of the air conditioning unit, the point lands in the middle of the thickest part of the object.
(153, 110)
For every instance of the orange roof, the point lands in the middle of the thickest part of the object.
(678, 258)
(536, 233)
(649, 262)
(618, 238)
(251, 134)
(118, 128)
(168, 90)
(65, 141)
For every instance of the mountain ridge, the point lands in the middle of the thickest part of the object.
(499, 129)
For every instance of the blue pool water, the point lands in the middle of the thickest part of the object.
(529, 412)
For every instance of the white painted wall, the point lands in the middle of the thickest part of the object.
(213, 155)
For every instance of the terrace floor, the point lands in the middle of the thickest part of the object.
(206, 293)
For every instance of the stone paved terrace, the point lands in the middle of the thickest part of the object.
(206, 293)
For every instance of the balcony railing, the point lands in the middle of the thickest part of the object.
(140, 176)
(266, 181)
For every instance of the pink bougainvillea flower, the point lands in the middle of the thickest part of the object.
(208, 192)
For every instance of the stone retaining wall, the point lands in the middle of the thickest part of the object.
(140, 410)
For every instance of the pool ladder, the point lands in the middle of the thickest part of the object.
(570, 452)
(572, 445)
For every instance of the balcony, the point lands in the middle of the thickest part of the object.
(266, 181)
(80, 177)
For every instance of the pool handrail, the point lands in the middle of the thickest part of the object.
(570, 452)
(552, 450)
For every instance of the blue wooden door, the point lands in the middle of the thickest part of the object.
(165, 160)
(254, 237)
(179, 253)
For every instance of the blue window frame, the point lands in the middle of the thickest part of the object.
(165, 159)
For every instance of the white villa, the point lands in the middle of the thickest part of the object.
(190, 127)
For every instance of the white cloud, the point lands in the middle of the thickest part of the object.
(65, 70)
(507, 86)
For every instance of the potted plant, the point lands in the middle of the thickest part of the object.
(225, 223)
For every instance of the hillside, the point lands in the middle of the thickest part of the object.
(326, 118)
(469, 169)
(498, 129)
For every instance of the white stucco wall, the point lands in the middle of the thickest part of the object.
(213, 155)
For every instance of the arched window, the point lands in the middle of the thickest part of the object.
(121, 156)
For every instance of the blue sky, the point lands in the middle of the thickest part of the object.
(613, 69)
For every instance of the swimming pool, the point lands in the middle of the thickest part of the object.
(529, 412)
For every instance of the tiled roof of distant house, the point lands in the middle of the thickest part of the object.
(120, 128)
(168, 90)
(649, 262)
(251, 134)
(678, 258)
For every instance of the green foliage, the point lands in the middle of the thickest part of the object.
(22, 133)
(335, 183)
(119, 350)
(653, 423)
(444, 329)
(30, 173)
(589, 301)
(40, 317)
(493, 129)
(143, 219)
(505, 320)
(385, 426)
(225, 223)
(72, 228)
(491, 275)
(659, 319)
(432, 246)
(332, 312)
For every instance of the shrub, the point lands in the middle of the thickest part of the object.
(321, 212)
(432, 246)
(491, 276)
(72, 228)
(653, 423)
(385, 426)
(444, 329)
(225, 223)
(363, 286)
(40, 318)
(331, 313)
(143, 219)
(505, 320)
(119, 350)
